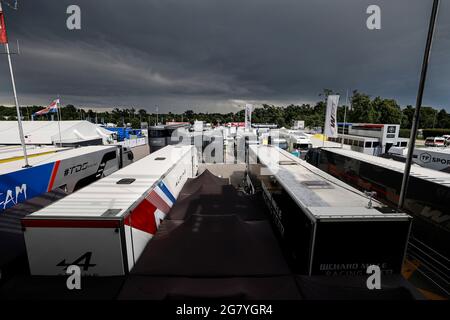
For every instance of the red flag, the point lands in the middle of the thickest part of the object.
(3, 36)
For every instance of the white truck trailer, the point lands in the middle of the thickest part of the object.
(104, 227)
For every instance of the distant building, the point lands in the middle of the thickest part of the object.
(163, 135)
(299, 125)
(264, 125)
(235, 124)
(198, 126)
(368, 138)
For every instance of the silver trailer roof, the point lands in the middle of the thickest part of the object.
(319, 143)
(441, 150)
(434, 176)
(96, 199)
(319, 194)
(355, 137)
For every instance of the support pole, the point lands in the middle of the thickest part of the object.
(58, 110)
(415, 122)
(345, 121)
(16, 100)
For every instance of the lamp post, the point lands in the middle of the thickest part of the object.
(415, 122)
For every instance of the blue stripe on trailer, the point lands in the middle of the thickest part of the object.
(166, 191)
(24, 184)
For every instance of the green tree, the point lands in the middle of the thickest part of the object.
(387, 110)
(408, 114)
(443, 119)
(427, 117)
(362, 109)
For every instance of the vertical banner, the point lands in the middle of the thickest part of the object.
(3, 36)
(248, 116)
(331, 116)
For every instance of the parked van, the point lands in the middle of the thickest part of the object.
(435, 142)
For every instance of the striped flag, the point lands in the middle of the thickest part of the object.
(53, 107)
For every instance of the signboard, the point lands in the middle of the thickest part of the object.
(248, 116)
(331, 116)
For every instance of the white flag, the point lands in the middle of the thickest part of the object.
(331, 116)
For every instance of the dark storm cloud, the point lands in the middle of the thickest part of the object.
(214, 55)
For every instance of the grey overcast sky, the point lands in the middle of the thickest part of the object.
(214, 55)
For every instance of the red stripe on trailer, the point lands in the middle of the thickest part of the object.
(159, 202)
(143, 217)
(61, 223)
(54, 172)
(372, 126)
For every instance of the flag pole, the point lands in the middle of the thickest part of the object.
(415, 122)
(16, 100)
(323, 131)
(345, 121)
(323, 138)
(59, 119)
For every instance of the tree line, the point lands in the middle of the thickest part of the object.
(362, 108)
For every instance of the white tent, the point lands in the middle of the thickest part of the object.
(47, 132)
